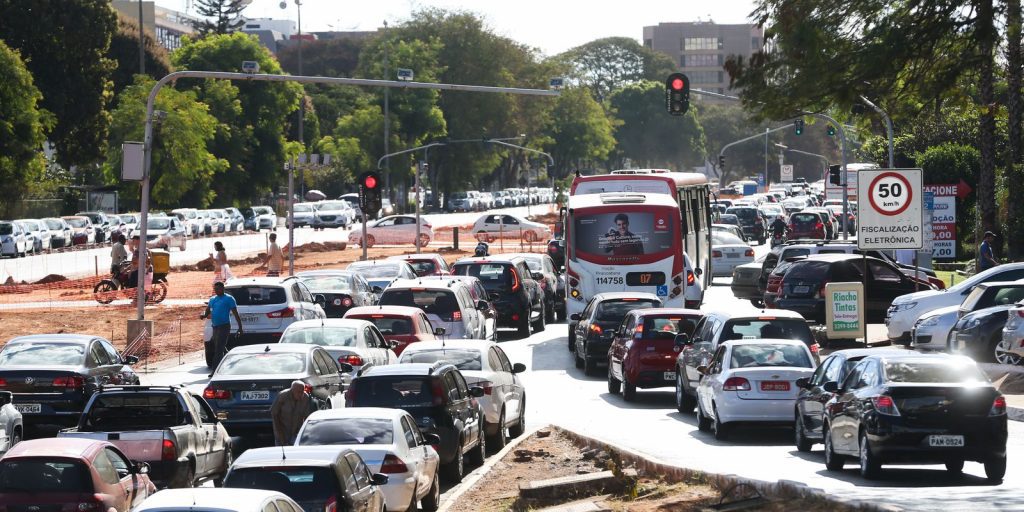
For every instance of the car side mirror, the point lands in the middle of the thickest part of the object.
(392, 344)
(432, 439)
(440, 331)
(518, 368)
(481, 305)
(575, 317)
(141, 468)
(682, 339)
(698, 271)
(831, 386)
(476, 391)
(130, 360)
(345, 368)
(320, 300)
(379, 479)
(377, 289)
(803, 383)
(702, 369)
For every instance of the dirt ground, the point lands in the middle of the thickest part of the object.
(556, 456)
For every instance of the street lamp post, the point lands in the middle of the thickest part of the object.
(888, 127)
(302, 98)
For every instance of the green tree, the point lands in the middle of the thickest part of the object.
(124, 50)
(223, 16)
(608, 64)
(22, 126)
(182, 167)
(1015, 106)
(650, 137)
(253, 115)
(581, 135)
(64, 45)
(323, 57)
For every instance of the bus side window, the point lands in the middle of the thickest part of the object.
(685, 224)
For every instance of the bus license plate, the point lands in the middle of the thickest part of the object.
(255, 395)
(29, 408)
(945, 441)
(774, 385)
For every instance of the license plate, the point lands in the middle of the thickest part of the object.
(669, 376)
(250, 318)
(29, 408)
(945, 441)
(774, 385)
(801, 289)
(255, 395)
(732, 255)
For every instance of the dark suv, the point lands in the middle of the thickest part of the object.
(438, 397)
(545, 272)
(595, 326)
(556, 249)
(753, 222)
(517, 297)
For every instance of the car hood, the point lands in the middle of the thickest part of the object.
(1001, 309)
(918, 296)
(947, 313)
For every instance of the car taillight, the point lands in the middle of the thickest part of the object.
(392, 464)
(736, 384)
(457, 316)
(168, 450)
(487, 385)
(351, 359)
(596, 329)
(998, 406)
(282, 313)
(350, 394)
(815, 348)
(716, 254)
(515, 280)
(690, 278)
(70, 382)
(307, 389)
(3, 383)
(212, 393)
(749, 253)
(543, 284)
(1020, 313)
(347, 302)
(885, 405)
(552, 248)
(331, 505)
(440, 397)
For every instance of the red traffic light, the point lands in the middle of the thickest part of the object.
(370, 182)
(677, 84)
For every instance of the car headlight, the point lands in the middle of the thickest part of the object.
(932, 320)
(905, 307)
(970, 324)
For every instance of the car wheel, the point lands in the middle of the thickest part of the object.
(572, 338)
(833, 461)
(15, 438)
(757, 303)
(538, 326)
(955, 467)
(479, 454)
(524, 325)
(589, 366)
(500, 438)
(684, 402)
(482, 236)
(577, 359)
(999, 351)
(432, 500)
(229, 459)
(628, 389)
(424, 240)
(995, 468)
(454, 470)
(614, 385)
(561, 314)
(721, 429)
(549, 312)
(530, 237)
(520, 426)
(703, 422)
(800, 435)
(869, 465)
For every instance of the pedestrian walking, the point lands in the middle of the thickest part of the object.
(291, 408)
(274, 261)
(219, 309)
(221, 269)
(986, 259)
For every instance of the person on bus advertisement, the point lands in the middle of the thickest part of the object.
(620, 241)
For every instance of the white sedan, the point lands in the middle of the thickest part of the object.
(389, 442)
(492, 226)
(751, 381)
(396, 229)
(210, 498)
(727, 253)
(482, 363)
(355, 342)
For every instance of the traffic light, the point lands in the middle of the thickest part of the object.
(835, 174)
(831, 131)
(721, 161)
(798, 126)
(677, 94)
(369, 194)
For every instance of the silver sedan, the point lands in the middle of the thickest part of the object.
(728, 252)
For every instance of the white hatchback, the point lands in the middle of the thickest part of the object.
(389, 442)
(347, 340)
(210, 498)
(751, 381)
(267, 305)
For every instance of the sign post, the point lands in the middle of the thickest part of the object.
(786, 174)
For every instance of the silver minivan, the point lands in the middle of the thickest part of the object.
(448, 304)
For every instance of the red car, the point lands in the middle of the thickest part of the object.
(78, 475)
(643, 350)
(806, 225)
(426, 264)
(402, 324)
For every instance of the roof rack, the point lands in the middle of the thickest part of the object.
(435, 366)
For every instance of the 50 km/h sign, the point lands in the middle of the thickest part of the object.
(890, 214)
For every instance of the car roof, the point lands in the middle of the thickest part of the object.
(765, 341)
(384, 310)
(56, 447)
(415, 257)
(754, 314)
(319, 455)
(261, 348)
(354, 323)
(429, 284)
(56, 338)
(325, 272)
(625, 295)
(667, 312)
(262, 281)
(357, 412)
(208, 499)
(866, 352)
(497, 258)
(909, 356)
(1008, 284)
(399, 369)
(481, 345)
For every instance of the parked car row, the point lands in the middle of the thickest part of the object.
(478, 201)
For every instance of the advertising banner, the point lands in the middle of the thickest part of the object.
(844, 310)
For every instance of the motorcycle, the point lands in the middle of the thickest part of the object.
(778, 239)
(108, 289)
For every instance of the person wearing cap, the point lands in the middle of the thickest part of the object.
(986, 259)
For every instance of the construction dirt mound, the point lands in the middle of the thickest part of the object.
(52, 278)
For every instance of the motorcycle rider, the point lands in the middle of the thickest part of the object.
(482, 249)
(118, 254)
(779, 228)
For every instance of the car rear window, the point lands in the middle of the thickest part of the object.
(42, 354)
(137, 411)
(931, 372)
(394, 326)
(257, 295)
(6, 228)
(667, 327)
(44, 475)
(611, 310)
(800, 219)
(297, 482)
(376, 271)
(330, 284)
(423, 267)
(320, 335)
(274, 363)
(438, 302)
(753, 356)
(494, 276)
(462, 359)
(347, 431)
(767, 327)
(807, 269)
(392, 391)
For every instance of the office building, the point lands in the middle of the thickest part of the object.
(701, 48)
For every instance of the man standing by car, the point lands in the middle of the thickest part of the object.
(986, 259)
(219, 308)
(290, 409)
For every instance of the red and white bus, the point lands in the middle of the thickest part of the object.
(623, 241)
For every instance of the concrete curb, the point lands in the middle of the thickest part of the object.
(469, 481)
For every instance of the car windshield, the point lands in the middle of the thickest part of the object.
(752, 356)
(302, 484)
(302, 208)
(438, 302)
(42, 354)
(332, 206)
(615, 310)
(127, 219)
(768, 327)
(328, 283)
(496, 277)
(326, 336)
(78, 223)
(271, 363)
(372, 271)
(933, 372)
(723, 238)
(39, 475)
(163, 223)
(667, 327)
(347, 431)
(257, 295)
(392, 391)
(465, 360)
(6, 228)
(52, 224)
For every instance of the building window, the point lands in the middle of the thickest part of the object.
(705, 77)
(755, 43)
(649, 43)
(701, 43)
(702, 60)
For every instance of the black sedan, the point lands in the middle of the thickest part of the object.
(342, 290)
(979, 334)
(920, 409)
(52, 376)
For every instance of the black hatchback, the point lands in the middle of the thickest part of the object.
(439, 398)
(591, 336)
(516, 295)
(753, 222)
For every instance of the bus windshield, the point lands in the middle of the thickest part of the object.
(606, 235)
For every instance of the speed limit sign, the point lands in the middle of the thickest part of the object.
(890, 213)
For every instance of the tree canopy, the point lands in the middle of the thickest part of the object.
(22, 126)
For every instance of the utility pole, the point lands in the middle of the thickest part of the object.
(387, 115)
(142, 43)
